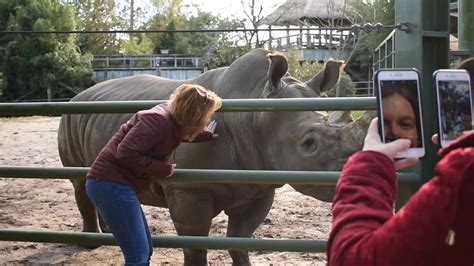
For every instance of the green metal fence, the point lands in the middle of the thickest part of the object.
(187, 175)
(424, 46)
(229, 105)
(384, 54)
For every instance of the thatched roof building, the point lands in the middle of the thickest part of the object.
(293, 12)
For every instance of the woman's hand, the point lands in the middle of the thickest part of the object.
(211, 127)
(372, 142)
(173, 169)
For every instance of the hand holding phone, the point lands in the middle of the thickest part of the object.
(399, 109)
(455, 107)
(372, 142)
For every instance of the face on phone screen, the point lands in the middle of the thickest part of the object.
(455, 108)
(400, 111)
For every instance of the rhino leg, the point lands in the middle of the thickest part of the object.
(85, 206)
(244, 221)
(191, 212)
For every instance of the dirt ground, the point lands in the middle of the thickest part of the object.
(37, 204)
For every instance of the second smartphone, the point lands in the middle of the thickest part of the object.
(455, 107)
(399, 109)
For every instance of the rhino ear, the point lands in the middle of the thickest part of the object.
(326, 78)
(278, 68)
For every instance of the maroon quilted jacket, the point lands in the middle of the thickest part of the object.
(435, 227)
(141, 148)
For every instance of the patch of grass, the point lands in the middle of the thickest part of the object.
(357, 114)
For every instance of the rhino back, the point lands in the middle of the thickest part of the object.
(82, 136)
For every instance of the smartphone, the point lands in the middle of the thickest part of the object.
(399, 109)
(455, 103)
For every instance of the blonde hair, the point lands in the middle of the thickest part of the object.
(192, 107)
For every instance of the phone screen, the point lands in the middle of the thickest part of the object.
(455, 108)
(401, 111)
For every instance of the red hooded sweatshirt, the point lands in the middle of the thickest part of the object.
(435, 227)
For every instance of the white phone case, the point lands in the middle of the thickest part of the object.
(454, 102)
(399, 91)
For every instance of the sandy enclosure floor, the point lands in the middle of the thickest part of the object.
(38, 204)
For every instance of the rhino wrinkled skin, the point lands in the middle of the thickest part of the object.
(247, 140)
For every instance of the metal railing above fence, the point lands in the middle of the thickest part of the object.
(146, 61)
(228, 105)
(202, 176)
(187, 175)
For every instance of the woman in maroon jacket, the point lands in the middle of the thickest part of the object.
(435, 227)
(139, 151)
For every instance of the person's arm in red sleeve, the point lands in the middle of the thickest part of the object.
(133, 150)
(365, 196)
(365, 232)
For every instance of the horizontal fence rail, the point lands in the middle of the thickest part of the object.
(228, 105)
(225, 243)
(187, 175)
(203, 176)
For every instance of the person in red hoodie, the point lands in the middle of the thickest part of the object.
(139, 151)
(435, 227)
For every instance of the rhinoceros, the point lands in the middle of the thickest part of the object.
(247, 140)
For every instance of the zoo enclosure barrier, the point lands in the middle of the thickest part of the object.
(188, 175)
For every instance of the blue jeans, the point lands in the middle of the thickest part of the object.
(119, 207)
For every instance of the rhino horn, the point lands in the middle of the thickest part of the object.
(326, 78)
(355, 132)
(339, 118)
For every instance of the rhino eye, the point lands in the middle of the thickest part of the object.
(309, 145)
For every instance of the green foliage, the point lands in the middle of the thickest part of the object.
(34, 64)
(305, 70)
(302, 70)
(169, 16)
(98, 15)
(217, 48)
(137, 44)
(357, 114)
(344, 88)
(225, 55)
(380, 11)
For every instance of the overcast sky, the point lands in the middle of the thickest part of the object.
(227, 8)
(234, 7)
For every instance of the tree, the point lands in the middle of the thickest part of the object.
(98, 15)
(40, 65)
(137, 44)
(305, 70)
(217, 48)
(377, 11)
(131, 17)
(169, 16)
(253, 11)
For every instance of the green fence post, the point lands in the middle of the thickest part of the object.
(426, 47)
